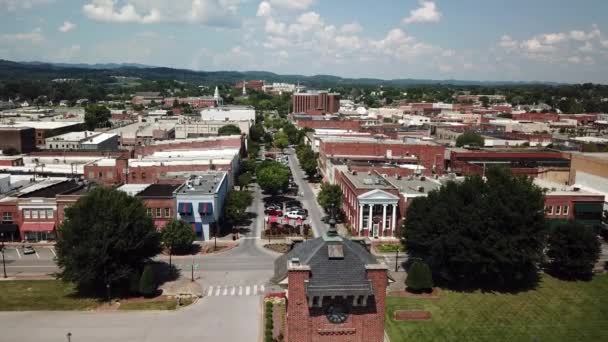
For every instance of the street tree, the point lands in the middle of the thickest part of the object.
(105, 237)
(245, 179)
(330, 196)
(236, 206)
(96, 116)
(256, 133)
(480, 233)
(177, 236)
(147, 282)
(419, 277)
(469, 138)
(573, 249)
(229, 130)
(281, 140)
(272, 177)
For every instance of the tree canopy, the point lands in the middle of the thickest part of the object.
(177, 236)
(480, 233)
(573, 249)
(307, 159)
(272, 177)
(469, 138)
(419, 277)
(105, 237)
(330, 196)
(236, 206)
(229, 130)
(96, 116)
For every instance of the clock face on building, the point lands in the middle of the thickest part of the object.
(336, 314)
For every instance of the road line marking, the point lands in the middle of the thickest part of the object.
(225, 291)
(247, 291)
(210, 291)
(53, 250)
(217, 292)
(240, 290)
(255, 290)
(233, 291)
(262, 288)
(36, 252)
(19, 254)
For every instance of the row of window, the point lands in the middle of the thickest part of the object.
(159, 212)
(7, 217)
(559, 210)
(38, 213)
(109, 175)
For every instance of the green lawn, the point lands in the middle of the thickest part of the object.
(556, 311)
(389, 248)
(26, 295)
(169, 304)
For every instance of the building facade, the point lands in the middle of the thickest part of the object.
(316, 103)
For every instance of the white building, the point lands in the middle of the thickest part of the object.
(228, 113)
(85, 140)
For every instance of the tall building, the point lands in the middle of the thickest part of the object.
(316, 102)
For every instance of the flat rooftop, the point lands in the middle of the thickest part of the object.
(44, 124)
(202, 184)
(414, 186)
(133, 189)
(365, 180)
(158, 190)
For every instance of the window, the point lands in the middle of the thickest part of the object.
(149, 211)
(167, 212)
(109, 174)
(558, 210)
(7, 217)
(91, 175)
(34, 214)
(549, 210)
(100, 175)
(42, 214)
(26, 213)
(143, 175)
(565, 210)
(159, 212)
(49, 213)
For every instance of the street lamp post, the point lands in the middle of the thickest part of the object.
(3, 262)
(396, 260)
(69, 336)
(109, 296)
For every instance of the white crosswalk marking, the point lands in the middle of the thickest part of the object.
(233, 291)
(240, 290)
(225, 291)
(247, 291)
(255, 290)
(217, 292)
(210, 292)
(262, 288)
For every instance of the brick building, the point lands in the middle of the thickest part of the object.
(336, 291)
(251, 84)
(311, 121)
(316, 103)
(194, 102)
(22, 139)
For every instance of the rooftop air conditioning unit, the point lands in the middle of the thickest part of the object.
(420, 189)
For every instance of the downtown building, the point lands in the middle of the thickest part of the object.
(316, 103)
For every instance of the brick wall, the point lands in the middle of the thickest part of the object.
(353, 125)
(236, 142)
(298, 325)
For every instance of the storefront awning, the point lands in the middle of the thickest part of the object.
(184, 208)
(38, 226)
(9, 228)
(205, 208)
(160, 224)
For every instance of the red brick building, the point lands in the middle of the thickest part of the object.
(315, 103)
(194, 102)
(252, 84)
(336, 291)
(23, 139)
(309, 122)
(160, 203)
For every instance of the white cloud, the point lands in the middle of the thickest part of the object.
(292, 4)
(33, 37)
(604, 43)
(353, 27)
(264, 9)
(507, 42)
(12, 5)
(209, 12)
(67, 26)
(274, 27)
(587, 47)
(427, 13)
(535, 45)
(553, 38)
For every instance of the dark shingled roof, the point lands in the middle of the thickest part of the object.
(330, 276)
(158, 190)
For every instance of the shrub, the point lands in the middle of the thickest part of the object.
(147, 283)
(419, 277)
(573, 250)
(134, 279)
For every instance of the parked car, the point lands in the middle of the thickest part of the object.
(272, 208)
(274, 212)
(28, 249)
(296, 215)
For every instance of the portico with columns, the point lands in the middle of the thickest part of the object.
(377, 214)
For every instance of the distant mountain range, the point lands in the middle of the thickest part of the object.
(43, 70)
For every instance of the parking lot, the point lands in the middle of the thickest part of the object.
(40, 253)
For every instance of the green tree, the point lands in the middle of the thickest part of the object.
(419, 277)
(229, 130)
(573, 249)
(309, 165)
(330, 196)
(281, 140)
(256, 133)
(96, 116)
(105, 236)
(469, 138)
(236, 206)
(177, 236)
(272, 177)
(11, 151)
(248, 165)
(147, 282)
(485, 101)
(245, 179)
(480, 234)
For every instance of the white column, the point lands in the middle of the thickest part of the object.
(360, 225)
(383, 219)
(394, 218)
(369, 220)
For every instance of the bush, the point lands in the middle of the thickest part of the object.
(147, 283)
(573, 249)
(134, 280)
(419, 277)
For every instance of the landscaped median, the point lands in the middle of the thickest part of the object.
(556, 311)
(56, 295)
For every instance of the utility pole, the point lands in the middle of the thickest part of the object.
(396, 260)
(192, 279)
(3, 262)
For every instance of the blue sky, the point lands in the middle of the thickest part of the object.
(545, 40)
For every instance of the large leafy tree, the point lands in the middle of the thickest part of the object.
(469, 138)
(330, 196)
(281, 140)
(236, 206)
(105, 237)
(229, 130)
(480, 233)
(272, 177)
(177, 236)
(307, 159)
(96, 116)
(573, 249)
